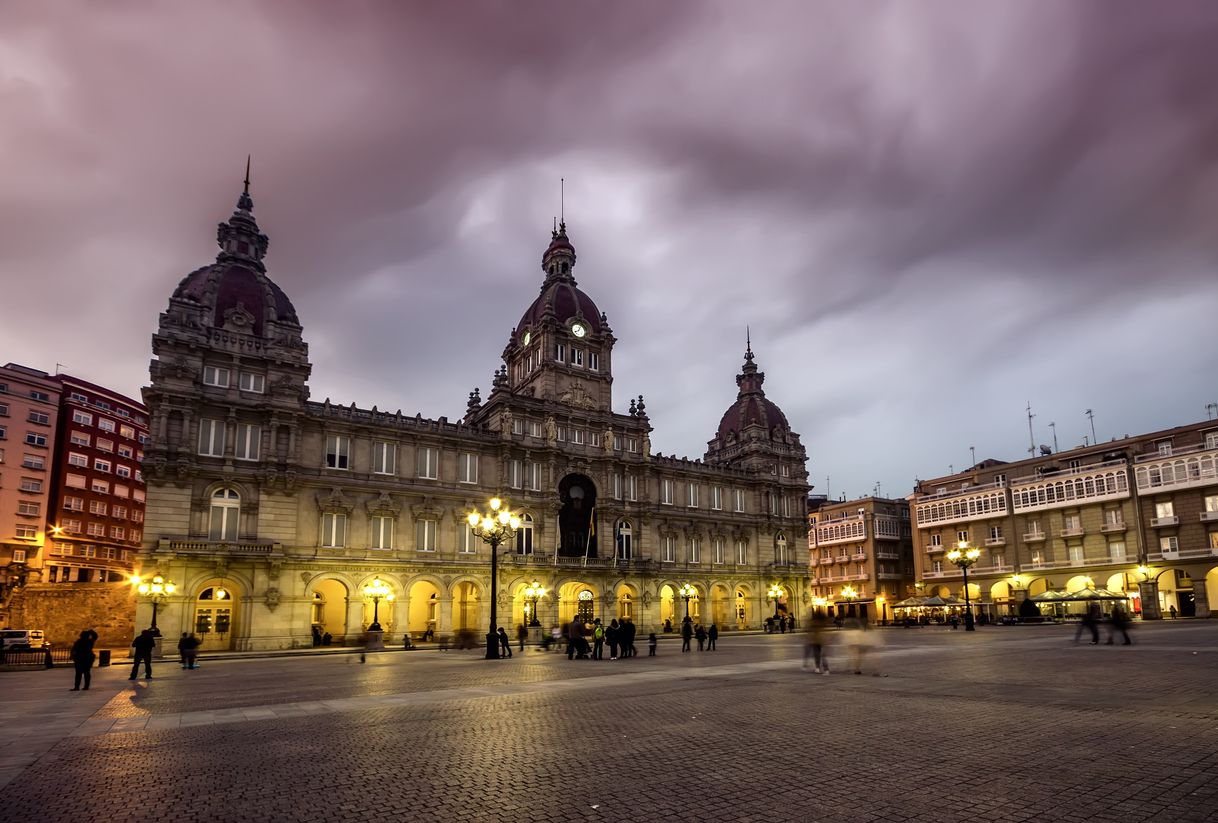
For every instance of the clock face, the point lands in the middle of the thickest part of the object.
(578, 329)
(528, 335)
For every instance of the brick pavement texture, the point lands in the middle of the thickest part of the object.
(1003, 725)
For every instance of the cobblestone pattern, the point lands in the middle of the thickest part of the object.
(994, 727)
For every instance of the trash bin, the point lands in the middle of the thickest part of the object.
(103, 657)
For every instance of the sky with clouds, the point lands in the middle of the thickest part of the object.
(929, 213)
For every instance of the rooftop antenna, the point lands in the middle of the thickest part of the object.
(972, 452)
(876, 493)
(1091, 416)
(562, 200)
(951, 468)
(1054, 427)
(828, 488)
(1031, 437)
(1211, 411)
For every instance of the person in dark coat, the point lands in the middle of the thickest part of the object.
(143, 645)
(712, 634)
(1090, 622)
(613, 636)
(687, 633)
(190, 651)
(700, 633)
(628, 647)
(1120, 623)
(505, 644)
(83, 657)
(522, 634)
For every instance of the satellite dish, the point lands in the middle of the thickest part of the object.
(1045, 450)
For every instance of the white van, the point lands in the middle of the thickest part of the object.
(22, 640)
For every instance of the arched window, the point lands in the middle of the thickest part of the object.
(624, 540)
(524, 535)
(225, 511)
(585, 606)
(780, 547)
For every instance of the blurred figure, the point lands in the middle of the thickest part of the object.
(1090, 622)
(1120, 623)
(712, 634)
(82, 658)
(700, 634)
(651, 644)
(505, 644)
(818, 627)
(521, 634)
(860, 637)
(190, 652)
(687, 633)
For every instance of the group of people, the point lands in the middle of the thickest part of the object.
(856, 635)
(780, 623)
(1119, 622)
(706, 637)
(619, 636)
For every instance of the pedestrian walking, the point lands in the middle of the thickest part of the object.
(861, 638)
(521, 634)
(814, 645)
(613, 636)
(1090, 622)
(1120, 623)
(83, 657)
(598, 640)
(191, 651)
(143, 645)
(700, 634)
(651, 644)
(505, 644)
(182, 649)
(712, 634)
(1172, 611)
(575, 638)
(687, 633)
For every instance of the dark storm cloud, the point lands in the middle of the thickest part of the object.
(929, 213)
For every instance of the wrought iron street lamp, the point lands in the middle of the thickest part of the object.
(965, 556)
(157, 590)
(376, 591)
(774, 594)
(532, 593)
(687, 591)
(849, 595)
(494, 526)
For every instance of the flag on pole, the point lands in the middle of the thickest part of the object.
(591, 534)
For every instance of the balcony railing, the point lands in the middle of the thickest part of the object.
(1204, 551)
(995, 541)
(1072, 531)
(932, 549)
(1032, 537)
(1113, 526)
(1160, 522)
(201, 546)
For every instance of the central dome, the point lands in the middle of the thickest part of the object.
(560, 297)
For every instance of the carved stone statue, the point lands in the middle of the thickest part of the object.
(551, 429)
(607, 440)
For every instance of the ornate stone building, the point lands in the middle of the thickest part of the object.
(271, 512)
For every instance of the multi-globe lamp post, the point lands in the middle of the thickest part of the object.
(775, 594)
(533, 593)
(965, 556)
(494, 526)
(376, 591)
(157, 589)
(687, 591)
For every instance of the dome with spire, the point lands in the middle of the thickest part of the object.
(560, 297)
(236, 288)
(751, 407)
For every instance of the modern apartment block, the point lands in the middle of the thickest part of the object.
(861, 554)
(29, 413)
(1137, 515)
(98, 496)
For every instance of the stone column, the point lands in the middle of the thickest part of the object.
(355, 620)
(1201, 597)
(1149, 591)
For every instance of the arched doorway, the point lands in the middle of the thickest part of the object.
(720, 604)
(423, 612)
(626, 600)
(329, 608)
(465, 607)
(576, 518)
(742, 609)
(668, 612)
(214, 617)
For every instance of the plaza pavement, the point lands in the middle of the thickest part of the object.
(1004, 724)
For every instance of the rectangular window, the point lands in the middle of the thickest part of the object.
(738, 500)
(249, 442)
(560, 353)
(962, 536)
(120, 512)
(534, 478)
(333, 530)
(632, 487)
(995, 532)
(3, 409)
(18, 555)
(1116, 551)
(691, 495)
(577, 357)
(79, 439)
(251, 382)
(669, 549)
(718, 549)
(577, 436)
(122, 471)
(215, 376)
(71, 526)
(35, 439)
(99, 487)
(1165, 509)
(98, 507)
(1164, 447)
(428, 463)
(101, 465)
(1211, 502)
(534, 428)
(467, 541)
(118, 533)
(716, 498)
(126, 431)
(123, 491)
(105, 445)
(515, 474)
(29, 508)
(211, 438)
(41, 418)
(106, 425)
(425, 535)
(80, 461)
(695, 550)
(665, 492)
(33, 461)
(124, 451)
(384, 458)
(382, 533)
(594, 361)
(1169, 544)
(617, 486)
(83, 418)
(742, 553)
(338, 451)
(1211, 440)
(30, 484)
(26, 532)
(75, 481)
(96, 530)
(936, 540)
(467, 468)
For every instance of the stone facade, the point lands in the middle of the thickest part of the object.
(865, 545)
(271, 512)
